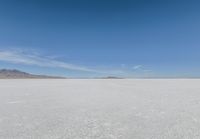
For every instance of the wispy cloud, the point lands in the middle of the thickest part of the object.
(34, 58)
(20, 57)
(141, 68)
(136, 67)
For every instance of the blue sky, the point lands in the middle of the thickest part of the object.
(93, 38)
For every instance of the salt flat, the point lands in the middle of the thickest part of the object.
(100, 109)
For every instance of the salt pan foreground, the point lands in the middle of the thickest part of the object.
(100, 109)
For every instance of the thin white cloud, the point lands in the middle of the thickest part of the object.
(137, 67)
(33, 58)
(19, 57)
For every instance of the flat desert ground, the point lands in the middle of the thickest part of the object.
(100, 109)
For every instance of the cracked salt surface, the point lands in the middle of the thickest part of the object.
(100, 109)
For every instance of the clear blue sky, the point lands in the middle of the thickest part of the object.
(87, 38)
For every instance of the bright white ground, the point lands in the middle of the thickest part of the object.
(100, 109)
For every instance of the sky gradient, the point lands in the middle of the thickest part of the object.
(94, 38)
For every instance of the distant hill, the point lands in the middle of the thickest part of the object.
(112, 77)
(17, 74)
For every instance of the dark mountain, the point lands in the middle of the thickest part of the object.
(17, 74)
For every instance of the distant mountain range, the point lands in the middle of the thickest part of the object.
(17, 74)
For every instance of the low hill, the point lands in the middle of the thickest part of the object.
(17, 74)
